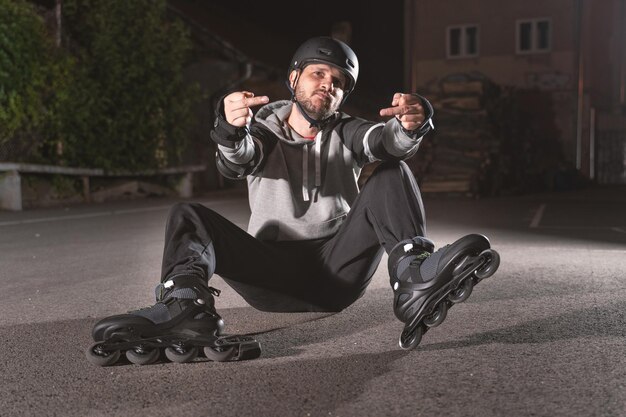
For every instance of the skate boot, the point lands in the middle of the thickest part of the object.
(426, 284)
(182, 321)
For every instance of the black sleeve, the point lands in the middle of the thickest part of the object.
(223, 133)
(263, 141)
(353, 130)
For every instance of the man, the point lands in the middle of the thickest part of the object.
(314, 239)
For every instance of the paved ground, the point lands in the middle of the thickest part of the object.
(545, 336)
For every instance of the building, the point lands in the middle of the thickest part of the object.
(573, 50)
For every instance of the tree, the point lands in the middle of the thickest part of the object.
(130, 107)
(112, 97)
(32, 72)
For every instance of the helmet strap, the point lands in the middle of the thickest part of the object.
(314, 123)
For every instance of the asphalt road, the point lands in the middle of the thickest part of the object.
(545, 336)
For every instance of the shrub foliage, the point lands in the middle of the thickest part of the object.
(112, 97)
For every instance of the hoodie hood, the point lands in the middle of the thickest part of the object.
(274, 117)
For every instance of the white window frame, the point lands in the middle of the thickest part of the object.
(534, 36)
(463, 46)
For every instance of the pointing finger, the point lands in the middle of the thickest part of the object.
(255, 101)
(398, 110)
(238, 96)
(243, 99)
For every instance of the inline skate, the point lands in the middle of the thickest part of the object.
(182, 321)
(427, 284)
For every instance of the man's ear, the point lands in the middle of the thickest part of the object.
(292, 78)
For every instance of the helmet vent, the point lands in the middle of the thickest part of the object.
(349, 62)
(324, 51)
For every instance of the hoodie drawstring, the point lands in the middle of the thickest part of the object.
(305, 173)
(305, 166)
(318, 162)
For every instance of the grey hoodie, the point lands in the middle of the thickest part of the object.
(302, 188)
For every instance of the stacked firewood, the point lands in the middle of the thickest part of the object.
(457, 156)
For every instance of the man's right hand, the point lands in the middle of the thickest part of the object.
(237, 107)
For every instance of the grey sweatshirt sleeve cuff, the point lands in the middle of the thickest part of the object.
(398, 141)
(241, 153)
(234, 143)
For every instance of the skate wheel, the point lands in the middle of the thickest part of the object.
(462, 293)
(492, 262)
(410, 339)
(438, 316)
(141, 356)
(181, 354)
(98, 356)
(219, 355)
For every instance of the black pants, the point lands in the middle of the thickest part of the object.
(309, 275)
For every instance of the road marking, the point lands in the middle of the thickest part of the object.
(538, 215)
(58, 218)
(100, 214)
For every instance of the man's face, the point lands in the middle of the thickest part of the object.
(319, 89)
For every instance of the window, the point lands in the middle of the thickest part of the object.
(462, 41)
(533, 36)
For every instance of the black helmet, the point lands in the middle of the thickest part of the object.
(331, 51)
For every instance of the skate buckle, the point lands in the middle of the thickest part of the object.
(215, 291)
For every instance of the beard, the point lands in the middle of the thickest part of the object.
(317, 107)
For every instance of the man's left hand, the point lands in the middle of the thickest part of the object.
(408, 109)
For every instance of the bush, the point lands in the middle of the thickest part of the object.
(31, 72)
(130, 108)
(113, 97)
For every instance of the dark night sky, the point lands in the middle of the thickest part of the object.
(377, 34)
(270, 31)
